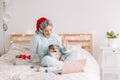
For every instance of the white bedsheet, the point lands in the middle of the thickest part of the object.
(24, 72)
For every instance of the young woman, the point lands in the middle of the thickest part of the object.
(43, 37)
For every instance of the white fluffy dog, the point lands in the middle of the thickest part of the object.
(53, 51)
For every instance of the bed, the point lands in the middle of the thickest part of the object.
(17, 69)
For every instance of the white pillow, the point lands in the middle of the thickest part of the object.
(74, 46)
(21, 48)
(15, 49)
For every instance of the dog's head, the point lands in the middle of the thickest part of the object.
(54, 51)
(53, 48)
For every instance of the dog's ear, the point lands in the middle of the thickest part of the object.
(57, 45)
(50, 46)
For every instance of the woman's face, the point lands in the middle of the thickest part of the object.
(47, 31)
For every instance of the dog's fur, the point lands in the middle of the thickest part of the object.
(53, 51)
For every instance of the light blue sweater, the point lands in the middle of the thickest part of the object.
(39, 44)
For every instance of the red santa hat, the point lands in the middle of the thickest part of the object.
(39, 21)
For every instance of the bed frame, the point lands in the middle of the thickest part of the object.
(83, 39)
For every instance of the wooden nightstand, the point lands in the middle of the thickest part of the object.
(110, 63)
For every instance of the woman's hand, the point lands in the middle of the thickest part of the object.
(64, 42)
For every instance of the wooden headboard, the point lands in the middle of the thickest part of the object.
(83, 39)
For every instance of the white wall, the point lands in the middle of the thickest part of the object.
(68, 16)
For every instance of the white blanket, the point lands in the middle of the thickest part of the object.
(24, 72)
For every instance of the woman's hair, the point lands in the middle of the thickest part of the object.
(42, 23)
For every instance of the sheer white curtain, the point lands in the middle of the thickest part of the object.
(5, 16)
(1, 32)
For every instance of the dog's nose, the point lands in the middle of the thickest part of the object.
(55, 51)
